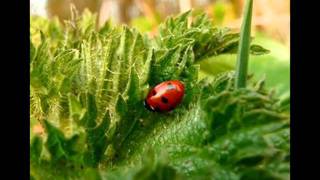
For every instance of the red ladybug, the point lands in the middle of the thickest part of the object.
(165, 96)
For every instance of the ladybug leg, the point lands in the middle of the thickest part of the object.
(157, 109)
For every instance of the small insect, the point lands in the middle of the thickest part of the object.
(165, 96)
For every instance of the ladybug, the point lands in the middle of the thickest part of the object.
(165, 96)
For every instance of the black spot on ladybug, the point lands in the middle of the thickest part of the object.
(164, 99)
(154, 92)
(170, 86)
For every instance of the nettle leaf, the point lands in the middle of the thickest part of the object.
(151, 167)
(123, 123)
(121, 106)
(132, 91)
(258, 50)
(36, 149)
(88, 87)
(241, 108)
(191, 77)
(127, 112)
(165, 67)
(155, 168)
(76, 110)
(38, 71)
(148, 67)
(284, 104)
(32, 51)
(62, 149)
(233, 144)
(90, 117)
(206, 40)
(187, 61)
(97, 141)
(123, 52)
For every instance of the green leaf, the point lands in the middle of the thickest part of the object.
(75, 107)
(97, 141)
(132, 91)
(61, 148)
(154, 168)
(90, 117)
(32, 51)
(166, 66)
(65, 85)
(125, 122)
(126, 43)
(149, 63)
(187, 60)
(121, 106)
(36, 149)
(258, 50)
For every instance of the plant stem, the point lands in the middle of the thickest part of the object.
(244, 47)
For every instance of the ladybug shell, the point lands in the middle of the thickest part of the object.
(165, 96)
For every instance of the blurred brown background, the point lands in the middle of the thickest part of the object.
(271, 17)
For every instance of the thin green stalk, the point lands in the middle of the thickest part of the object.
(244, 47)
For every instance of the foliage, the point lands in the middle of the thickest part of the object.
(87, 89)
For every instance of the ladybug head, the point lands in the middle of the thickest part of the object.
(146, 105)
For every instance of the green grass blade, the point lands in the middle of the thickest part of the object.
(244, 47)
